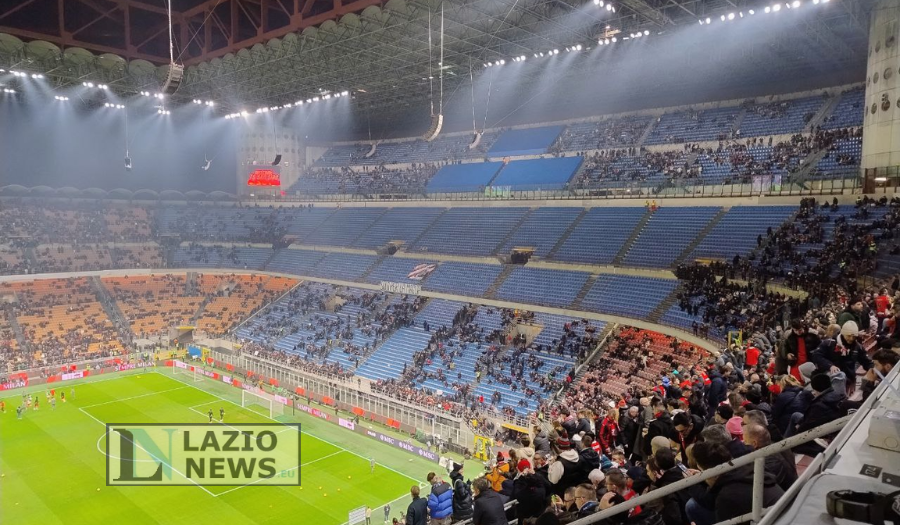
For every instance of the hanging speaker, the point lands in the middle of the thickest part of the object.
(277, 160)
(128, 163)
(437, 122)
(173, 79)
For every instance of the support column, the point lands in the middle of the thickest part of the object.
(881, 128)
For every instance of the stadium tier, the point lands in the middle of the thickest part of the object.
(518, 142)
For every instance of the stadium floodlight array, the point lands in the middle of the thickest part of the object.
(774, 8)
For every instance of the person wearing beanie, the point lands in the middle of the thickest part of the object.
(796, 349)
(462, 495)
(825, 406)
(733, 426)
(856, 311)
(568, 469)
(843, 354)
(529, 491)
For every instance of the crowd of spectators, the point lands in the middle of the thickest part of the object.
(367, 180)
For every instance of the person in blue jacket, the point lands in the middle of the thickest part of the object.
(440, 501)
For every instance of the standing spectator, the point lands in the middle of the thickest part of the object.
(857, 312)
(567, 471)
(462, 496)
(630, 430)
(618, 492)
(687, 431)
(530, 492)
(882, 307)
(660, 425)
(526, 451)
(792, 399)
(417, 512)
(488, 504)
(440, 501)
(608, 432)
(796, 349)
(541, 441)
(718, 388)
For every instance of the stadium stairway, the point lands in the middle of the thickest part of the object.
(824, 112)
(31, 257)
(700, 236)
(365, 275)
(664, 306)
(196, 317)
(647, 131)
(626, 246)
(17, 329)
(584, 291)
(111, 307)
(492, 290)
(269, 259)
(513, 230)
(565, 236)
(422, 235)
(190, 284)
(738, 120)
(812, 162)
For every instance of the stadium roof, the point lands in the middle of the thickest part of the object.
(252, 53)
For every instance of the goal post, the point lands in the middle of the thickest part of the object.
(186, 370)
(259, 399)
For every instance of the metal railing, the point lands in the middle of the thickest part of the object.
(757, 458)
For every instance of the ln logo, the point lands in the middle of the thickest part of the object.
(202, 454)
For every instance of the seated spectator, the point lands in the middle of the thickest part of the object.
(781, 466)
(792, 399)
(728, 493)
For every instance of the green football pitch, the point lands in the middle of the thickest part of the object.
(53, 466)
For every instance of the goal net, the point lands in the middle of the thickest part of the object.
(186, 370)
(262, 400)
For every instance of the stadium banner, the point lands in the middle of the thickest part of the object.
(18, 383)
(131, 366)
(401, 288)
(356, 516)
(74, 375)
(313, 411)
(403, 445)
(185, 454)
(346, 423)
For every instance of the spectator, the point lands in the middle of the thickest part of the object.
(568, 470)
(608, 432)
(842, 354)
(530, 491)
(660, 425)
(417, 512)
(781, 465)
(796, 349)
(618, 492)
(440, 501)
(462, 496)
(729, 491)
(687, 431)
(631, 429)
(666, 472)
(883, 361)
(792, 399)
(488, 505)
(718, 434)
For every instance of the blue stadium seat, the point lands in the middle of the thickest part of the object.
(599, 236)
(538, 174)
(542, 286)
(463, 177)
(531, 141)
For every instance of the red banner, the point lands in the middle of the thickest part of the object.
(229, 367)
(273, 381)
(358, 411)
(327, 400)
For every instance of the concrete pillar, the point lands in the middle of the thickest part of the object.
(881, 131)
(257, 149)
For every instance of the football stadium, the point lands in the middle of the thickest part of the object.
(475, 262)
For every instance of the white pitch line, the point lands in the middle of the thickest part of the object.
(133, 397)
(74, 382)
(306, 433)
(286, 470)
(201, 487)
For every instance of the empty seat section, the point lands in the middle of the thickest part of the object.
(542, 229)
(297, 262)
(538, 174)
(848, 112)
(298, 223)
(789, 116)
(388, 360)
(627, 295)
(463, 177)
(345, 266)
(694, 126)
(668, 233)
(542, 286)
(469, 231)
(738, 229)
(463, 278)
(600, 235)
(533, 141)
(343, 226)
(398, 224)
